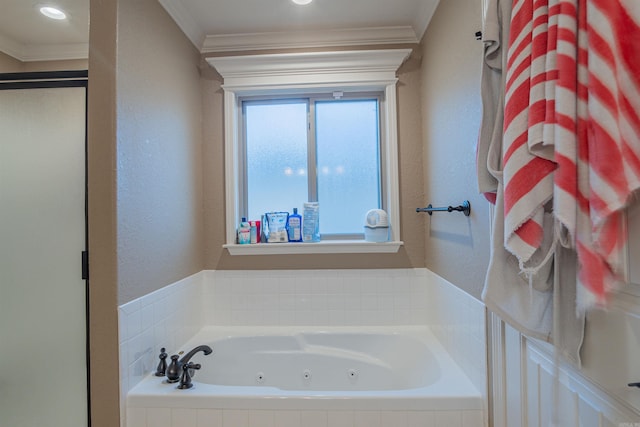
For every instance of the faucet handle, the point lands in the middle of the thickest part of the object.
(185, 379)
(162, 365)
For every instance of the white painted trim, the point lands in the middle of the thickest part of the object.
(317, 71)
(497, 363)
(608, 407)
(312, 39)
(534, 357)
(323, 247)
(11, 47)
(231, 163)
(55, 52)
(391, 160)
(290, 70)
(183, 18)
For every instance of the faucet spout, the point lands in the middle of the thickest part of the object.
(187, 357)
(175, 367)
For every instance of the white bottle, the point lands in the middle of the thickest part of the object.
(311, 222)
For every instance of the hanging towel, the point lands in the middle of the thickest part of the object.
(611, 164)
(525, 302)
(551, 76)
(528, 177)
(507, 291)
(570, 118)
(495, 37)
(535, 295)
(570, 138)
(568, 326)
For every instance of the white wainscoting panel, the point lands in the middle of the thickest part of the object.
(530, 388)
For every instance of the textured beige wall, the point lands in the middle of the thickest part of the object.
(456, 247)
(410, 158)
(159, 151)
(145, 175)
(101, 156)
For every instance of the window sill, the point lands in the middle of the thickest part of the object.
(323, 247)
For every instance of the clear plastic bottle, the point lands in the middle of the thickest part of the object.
(244, 232)
(253, 232)
(311, 222)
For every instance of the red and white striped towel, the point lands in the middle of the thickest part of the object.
(611, 164)
(528, 170)
(570, 98)
(585, 123)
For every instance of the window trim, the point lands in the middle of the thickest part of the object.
(311, 72)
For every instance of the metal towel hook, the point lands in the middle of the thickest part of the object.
(465, 208)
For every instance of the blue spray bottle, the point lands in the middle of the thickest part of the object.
(294, 226)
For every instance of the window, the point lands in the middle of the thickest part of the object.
(263, 85)
(321, 148)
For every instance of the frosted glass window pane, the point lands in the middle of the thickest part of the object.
(348, 163)
(276, 145)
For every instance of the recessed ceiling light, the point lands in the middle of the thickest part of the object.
(53, 12)
(302, 2)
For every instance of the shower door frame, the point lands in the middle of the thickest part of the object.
(64, 79)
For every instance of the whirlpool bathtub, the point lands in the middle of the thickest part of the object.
(278, 368)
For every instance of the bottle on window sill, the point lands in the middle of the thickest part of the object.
(311, 222)
(294, 226)
(244, 232)
(253, 232)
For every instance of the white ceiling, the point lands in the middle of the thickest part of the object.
(210, 24)
(29, 36)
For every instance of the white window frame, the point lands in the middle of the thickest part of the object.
(304, 73)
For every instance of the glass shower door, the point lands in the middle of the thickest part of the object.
(43, 358)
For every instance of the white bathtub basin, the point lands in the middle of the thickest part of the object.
(321, 361)
(363, 368)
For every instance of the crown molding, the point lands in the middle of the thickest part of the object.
(43, 52)
(55, 52)
(183, 18)
(309, 39)
(212, 43)
(11, 47)
(310, 68)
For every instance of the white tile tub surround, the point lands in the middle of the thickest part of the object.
(316, 297)
(458, 320)
(166, 318)
(353, 298)
(302, 298)
(165, 417)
